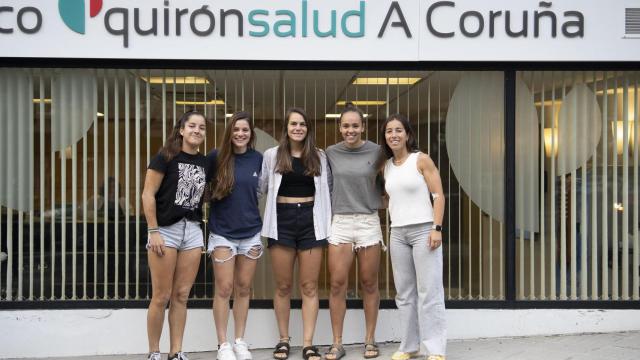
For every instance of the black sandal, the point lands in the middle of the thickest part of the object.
(310, 352)
(281, 348)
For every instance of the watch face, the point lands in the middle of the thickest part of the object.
(437, 227)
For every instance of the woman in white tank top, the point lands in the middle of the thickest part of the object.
(415, 240)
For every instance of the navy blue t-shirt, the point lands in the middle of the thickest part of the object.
(237, 215)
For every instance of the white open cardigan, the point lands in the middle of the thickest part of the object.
(270, 183)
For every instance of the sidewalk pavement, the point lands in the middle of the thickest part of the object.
(618, 346)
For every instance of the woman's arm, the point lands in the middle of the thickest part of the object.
(152, 182)
(431, 176)
(323, 154)
(263, 182)
(384, 197)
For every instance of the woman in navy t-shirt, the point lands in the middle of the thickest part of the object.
(234, 230)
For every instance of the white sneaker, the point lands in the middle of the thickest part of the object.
(241, 349)
(154, 356)
(225, 352)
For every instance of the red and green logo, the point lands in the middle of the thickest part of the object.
(73, 12)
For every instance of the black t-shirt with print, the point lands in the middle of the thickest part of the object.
(181, 190)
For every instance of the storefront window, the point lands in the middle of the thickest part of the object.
(76, 143)
(577, 204)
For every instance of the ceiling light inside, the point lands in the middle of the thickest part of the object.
(362, 102)
(209, 102)
(556, 102)
(186, 80)
(38, 101)
(386, 81)
(337, 116)
(620, 91)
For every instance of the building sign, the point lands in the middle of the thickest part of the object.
(329, 30)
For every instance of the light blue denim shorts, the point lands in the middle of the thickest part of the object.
(183, 235)
(237, 247)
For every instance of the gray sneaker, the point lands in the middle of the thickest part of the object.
(154, 356)
(179, 356)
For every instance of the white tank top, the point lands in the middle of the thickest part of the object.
(409, 201)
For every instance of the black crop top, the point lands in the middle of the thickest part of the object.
(296, 183)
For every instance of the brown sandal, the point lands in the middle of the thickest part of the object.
(371, 351)
(335, 352)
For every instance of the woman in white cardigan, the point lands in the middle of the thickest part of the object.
(295, 178)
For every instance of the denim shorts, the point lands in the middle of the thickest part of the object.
(359, 230)
(237, 247)
(295, 227)
(183, 235)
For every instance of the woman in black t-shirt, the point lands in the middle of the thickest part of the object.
(172, 200)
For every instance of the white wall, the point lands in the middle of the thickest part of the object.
(47, 333)
(604, 32)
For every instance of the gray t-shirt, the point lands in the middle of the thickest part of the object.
(356, 188)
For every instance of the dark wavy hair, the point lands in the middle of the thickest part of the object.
(349, 107)
(173, 145)
(385, 150)
(310, 158)
(225, 164)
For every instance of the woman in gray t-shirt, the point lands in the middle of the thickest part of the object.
(355, 227)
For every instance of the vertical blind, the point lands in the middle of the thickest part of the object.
(587, 244)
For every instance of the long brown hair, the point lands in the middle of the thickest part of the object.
(173, 145)
(310, 158)
(225, 161)
(385, 151)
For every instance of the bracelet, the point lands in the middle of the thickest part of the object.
(153, 230)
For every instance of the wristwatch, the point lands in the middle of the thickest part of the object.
(437, 227)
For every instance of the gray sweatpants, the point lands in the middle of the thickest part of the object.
(417, 272)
